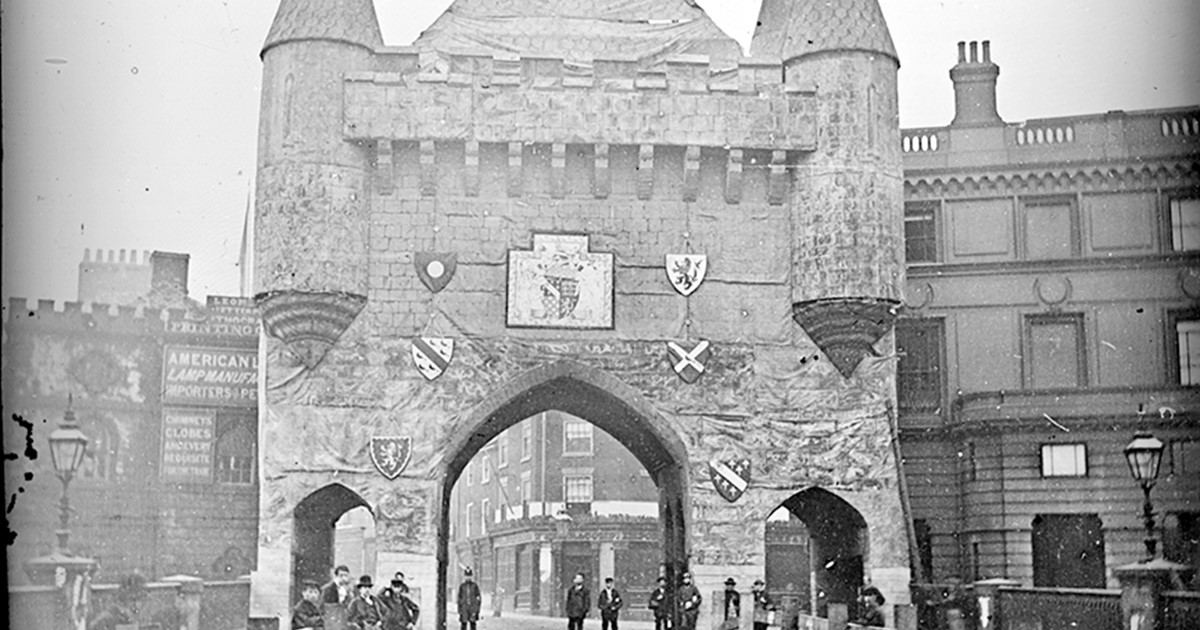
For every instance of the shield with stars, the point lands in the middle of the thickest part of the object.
(432, 355)
(689, 364)
(686, 271)
(730, 477)
(391, 454)
(435, 269)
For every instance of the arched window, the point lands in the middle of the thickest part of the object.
(235, 453)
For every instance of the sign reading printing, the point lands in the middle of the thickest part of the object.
(222, 377)
(187, 445)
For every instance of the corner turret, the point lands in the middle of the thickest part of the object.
(975, 87)
(789, 29)
(345, 21)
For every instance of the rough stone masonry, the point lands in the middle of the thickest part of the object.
(782, 168)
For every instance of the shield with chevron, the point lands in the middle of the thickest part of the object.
(432, 355)
(730, 477)
(688, 364)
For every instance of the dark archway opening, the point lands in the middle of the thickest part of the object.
(314, 525)
(610, 406)
(816, 544)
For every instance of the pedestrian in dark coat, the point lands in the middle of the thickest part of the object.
(306, 615)
(872, 613)
(763, 606)
(365, 612)
(336, 598)
(733, 607)
(658, 603)
(579, 601)
(399, 612)
(689, 603)
(469, 601)
(609, 602)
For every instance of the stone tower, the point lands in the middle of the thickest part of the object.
(456, 235)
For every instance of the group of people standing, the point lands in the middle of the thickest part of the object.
(338, 606)
(687, 600)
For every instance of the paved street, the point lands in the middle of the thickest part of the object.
(522, 622)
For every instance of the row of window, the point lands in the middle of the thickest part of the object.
(1181, 457)
(1054, 357)
(576, 489)
(233, 452)
(578, 439)
(1068, 550)
(1051, 228)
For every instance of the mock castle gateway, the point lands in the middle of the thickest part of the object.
(596, 207)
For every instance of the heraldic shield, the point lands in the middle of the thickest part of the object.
(686, 271)
(730, 477)
(435, 269)
(391, 454)
(432, 355)
(688, 364)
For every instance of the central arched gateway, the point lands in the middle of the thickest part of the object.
(604, 401)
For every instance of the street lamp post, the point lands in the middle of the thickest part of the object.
(68, 445)
(1144, 455)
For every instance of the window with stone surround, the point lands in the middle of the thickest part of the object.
(1184, 356)
(1064, 460)
(234, 452)
(919, 372)
(100, 459)
(577, 487)
(1185, 224)
(577, 437)
(485, 515)
(1183, 458)
(526, 440)
(1051, 228)
(1054, 355)
(485, 469)
(920, 231)
(502, 450)
(469, 518)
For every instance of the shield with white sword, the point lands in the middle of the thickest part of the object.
(730, 477)
(689, 364)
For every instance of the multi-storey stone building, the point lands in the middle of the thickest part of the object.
(165, 389)
(454, 236)
(1051, 312)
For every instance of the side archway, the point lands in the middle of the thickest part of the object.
(602, 400)
(314, 523)
(816, 555)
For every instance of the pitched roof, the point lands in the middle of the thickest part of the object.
(795, 28)
(580, 30)
(349, 21)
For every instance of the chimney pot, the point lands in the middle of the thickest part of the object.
(122, 257)
(974, 52)
(987, 51)
(962, 52)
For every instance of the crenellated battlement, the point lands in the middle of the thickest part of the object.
(686, 101)
(116, 257)
(226, 317)
(87, 316)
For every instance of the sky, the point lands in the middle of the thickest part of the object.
(132, 124)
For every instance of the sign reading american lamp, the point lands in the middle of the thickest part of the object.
(211, 377)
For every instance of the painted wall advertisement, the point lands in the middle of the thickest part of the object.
(210, 377)
(187, 444)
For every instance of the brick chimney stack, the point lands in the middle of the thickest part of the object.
(975, 87)
(168, 278)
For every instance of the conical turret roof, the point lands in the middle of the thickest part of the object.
(795, 28)
(580, 30)
(349, 21)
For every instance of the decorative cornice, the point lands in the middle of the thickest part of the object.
(1090, 178)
